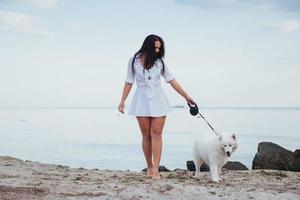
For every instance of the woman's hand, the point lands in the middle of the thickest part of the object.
(189, 99)
(121, 107)
(126, 90)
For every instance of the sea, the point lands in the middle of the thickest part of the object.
(102, 138)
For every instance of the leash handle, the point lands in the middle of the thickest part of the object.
(193, 108)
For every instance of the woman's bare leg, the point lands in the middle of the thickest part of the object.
(145, 123)
(157, 125)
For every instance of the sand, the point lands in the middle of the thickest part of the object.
(33, 180)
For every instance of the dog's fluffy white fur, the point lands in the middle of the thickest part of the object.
(214, 150)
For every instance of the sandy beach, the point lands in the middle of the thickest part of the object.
(33, 180)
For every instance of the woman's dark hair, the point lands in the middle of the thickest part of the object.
(149, 53)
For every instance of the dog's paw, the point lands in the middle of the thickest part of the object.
(196, 177)
(215, 180)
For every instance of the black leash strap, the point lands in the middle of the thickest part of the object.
(194, 111)
(208, 124)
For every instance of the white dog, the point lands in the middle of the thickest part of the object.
(214, 150)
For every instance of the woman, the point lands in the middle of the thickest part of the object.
(149, 103)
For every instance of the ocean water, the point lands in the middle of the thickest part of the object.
(104, 139)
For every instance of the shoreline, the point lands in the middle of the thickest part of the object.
(33, 180)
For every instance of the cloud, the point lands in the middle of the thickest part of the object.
(20, 23)
(211, 4)
(289, 26)
(37, 3)
(283, 5)
(41, 3)
(74, 26)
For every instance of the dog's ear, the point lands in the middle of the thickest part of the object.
(233, 136)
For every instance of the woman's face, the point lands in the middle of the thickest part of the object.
(157, 46)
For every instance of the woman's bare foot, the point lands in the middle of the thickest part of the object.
(149, 172)
(155, 174)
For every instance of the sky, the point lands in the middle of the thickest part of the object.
(67, 53)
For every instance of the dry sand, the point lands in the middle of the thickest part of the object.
(32, 180)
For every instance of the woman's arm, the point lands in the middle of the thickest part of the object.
(180, 90)
(126, 90)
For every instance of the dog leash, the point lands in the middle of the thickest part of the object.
(194, 111)
(209, 124)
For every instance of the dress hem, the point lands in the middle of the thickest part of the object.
(147, 115)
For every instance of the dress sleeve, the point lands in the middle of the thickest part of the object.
(130, 74)
(168, 76)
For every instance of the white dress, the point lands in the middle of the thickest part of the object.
(149, 99)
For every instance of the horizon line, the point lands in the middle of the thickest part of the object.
(174, 106)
